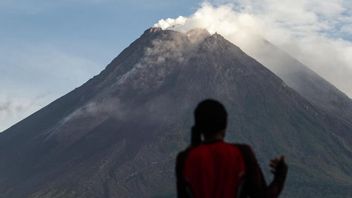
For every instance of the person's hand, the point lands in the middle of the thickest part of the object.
(278, 166)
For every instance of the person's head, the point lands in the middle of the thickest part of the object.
(210, 119)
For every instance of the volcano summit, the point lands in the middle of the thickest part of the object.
(118, 134)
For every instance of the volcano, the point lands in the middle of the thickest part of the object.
(118, 134)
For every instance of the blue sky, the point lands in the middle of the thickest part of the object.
(48, 48)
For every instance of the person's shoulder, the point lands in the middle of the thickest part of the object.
(183, 154)
(245, 149)
(242, 146)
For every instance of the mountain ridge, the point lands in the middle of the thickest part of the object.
(118, 134)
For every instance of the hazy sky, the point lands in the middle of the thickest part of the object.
(51, 47)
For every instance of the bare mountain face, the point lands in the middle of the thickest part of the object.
(118, 134)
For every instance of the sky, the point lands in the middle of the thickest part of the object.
(48, 48)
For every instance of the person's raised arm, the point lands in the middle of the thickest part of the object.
(255, 185)
(279, 169)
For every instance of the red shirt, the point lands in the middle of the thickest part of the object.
(220, 169)
(214, 170)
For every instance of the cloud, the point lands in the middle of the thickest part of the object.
(315, 32)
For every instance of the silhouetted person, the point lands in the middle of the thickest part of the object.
(212, 168)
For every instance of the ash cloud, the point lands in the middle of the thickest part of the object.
(314, 32)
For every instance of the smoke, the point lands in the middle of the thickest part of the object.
(91, 115)
(155, 55)
(113, 107)
(167, 23)
(317, 33)
(103, 108)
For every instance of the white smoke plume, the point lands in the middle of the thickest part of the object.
(317, 33)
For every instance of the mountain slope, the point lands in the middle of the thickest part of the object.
(298, 76)
(118, 134)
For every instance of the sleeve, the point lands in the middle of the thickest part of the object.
(255, 185)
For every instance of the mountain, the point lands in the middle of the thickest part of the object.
(118, 134)
(295, 74)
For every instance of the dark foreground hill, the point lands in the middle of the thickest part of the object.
(118, 134)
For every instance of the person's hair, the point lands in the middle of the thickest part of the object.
(210, 117)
